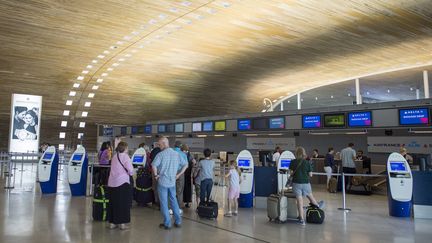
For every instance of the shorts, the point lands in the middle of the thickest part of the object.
(233, 193)
(302, 190)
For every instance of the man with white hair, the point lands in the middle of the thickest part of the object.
(168, 166)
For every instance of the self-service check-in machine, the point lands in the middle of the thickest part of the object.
(48, 170)
(139, 158)
(77, 172)
(400, 186)
(283, 169)
(246, 166)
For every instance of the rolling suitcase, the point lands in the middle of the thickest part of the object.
(208, 210)
(143, 191)
(292, 211)
(100, 203)
(277, 205)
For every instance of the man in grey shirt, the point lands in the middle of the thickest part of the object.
(348, 156)
(206, 175)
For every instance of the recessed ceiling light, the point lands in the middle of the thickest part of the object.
(316, 98)
(63, 124)
(332, 96)
(80, 135)
(62, 135)
(143, 26)
(85, 72)
(274, 101)
(76, 85)
(127, 37)
(134, 51)
(94, 61)
(99, 80)
(61, 146)
(186, 3)
(349, 94)
(106, 52)
(128, 55)
(72, 93)
(199, 17)
(148, 42)
(91, 95)
(109, 69)
(84, 114)
(80, 78)
(89, 66)
(211, 11)
(66, 113)
(158, 37)
(135, 32)
(115, 64)
(188, 21)
(263, 110)
(100, 56)
(388, 91)
(289, 101)
(411, 88)
(367, 93)
(168, 32)
(113, 47)
(162, 16)
(119, 42)
(69, 102)
(87, 104)
(280, 97)
(226, 4)
(301, 100)
(82, 124)
(95, 87)
(141, 46)
(121, 60)
(104, 74)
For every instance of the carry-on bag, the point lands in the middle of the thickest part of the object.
(315, 215)
(100, 203)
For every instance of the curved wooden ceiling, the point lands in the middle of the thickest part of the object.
(175, 59)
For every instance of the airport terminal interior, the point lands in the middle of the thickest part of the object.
(108, 107)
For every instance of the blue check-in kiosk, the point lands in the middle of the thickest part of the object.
(283, 169)
(246, 166)
(77, 172)
(400, 186)
(139, 158)
(48, 170)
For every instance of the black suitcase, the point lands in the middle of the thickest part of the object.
(315, 215)
(143, 192)
(100, 203)
(208, 210)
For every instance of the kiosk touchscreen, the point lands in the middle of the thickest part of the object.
(246, 166)
(283, 169)
(48, 171)
(400, 186)
(77, 172)
(139, 158)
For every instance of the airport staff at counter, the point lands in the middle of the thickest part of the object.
(348, 155)
(276, 155)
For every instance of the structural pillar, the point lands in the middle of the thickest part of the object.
(426, 84)
(417, 94)
(281, 105)
(298, 101)
(358, 94)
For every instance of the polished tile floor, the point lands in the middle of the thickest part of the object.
(28, 216)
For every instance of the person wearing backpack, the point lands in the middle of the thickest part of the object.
(301, 171)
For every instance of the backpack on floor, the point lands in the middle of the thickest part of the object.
(315, 215)
(100, 203)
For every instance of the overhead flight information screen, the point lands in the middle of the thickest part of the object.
(360, 119)
(208, 126)
(244, 125)
(334, 120)
(220, 126)
(196, 127)
(311, 121)
(277, 123)
(417, 116)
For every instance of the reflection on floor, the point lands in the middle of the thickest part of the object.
(27, 216)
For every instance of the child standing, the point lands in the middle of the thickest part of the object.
(234, 188)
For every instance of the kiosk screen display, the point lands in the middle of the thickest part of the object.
(170, 128)
(179, 127)
(47, 156)
(196, 127)
(134, 130)
(208, 126)
(312, 121)
(418, 116)
(77, 157)
(123, 130)
(285, 163)
(148, 129)
(334, 120)
(244, 125)
(261, 123)
(161, 128)
(397, 166)
(220, 126)
(277, 123)
(138, 159)
(244, 163)
(360, 119)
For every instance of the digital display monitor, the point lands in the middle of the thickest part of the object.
(123, 130)
(312, 121)
(161, 128)
(277, 123)
(416, 116)
(285, 163)
(334, 120)
(148, 129)
(170, 128)
(208, 126)
(196, 127)
(47, 156)
(134, 130)
(244, 125)
(261, 123)
(179, 127)
(398, 166)
(77, 157)
(220, 126)
(141, 129)
(138, 159)
(360, 119)
(244, 163)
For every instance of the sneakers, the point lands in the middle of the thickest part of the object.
(301, 222)
(177, 225)
(162, 226)
(229, 214)
(321, 204)
(112, 226)
(123, 227)
(235, 213)
(171, 212)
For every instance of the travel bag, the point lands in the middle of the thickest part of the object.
(208, 210)
(277, 205)
(332, 186)
(100, 203)
(143, 191)
(315, 215)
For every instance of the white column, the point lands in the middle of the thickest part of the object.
(426, 84)
(358, 94)
(281, 104)
(298, 101)
(417, 94)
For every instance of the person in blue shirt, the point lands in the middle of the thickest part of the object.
(168, 166)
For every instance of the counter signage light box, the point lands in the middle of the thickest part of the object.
(260, 123)
(311, 121)
(334, 120)
(161, 128)
(196, 127)
(134, 130)
(244, 125)
(416, 116)
(220, 126)
(207, 126)
(277, 123)
(148, 129)
(179, 127)
(360, 119)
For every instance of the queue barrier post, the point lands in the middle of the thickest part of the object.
(344, 208)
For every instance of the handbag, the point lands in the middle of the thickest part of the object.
(290, 178)
(131, 181)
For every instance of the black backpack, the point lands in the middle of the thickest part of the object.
(100, 203)
(315, 215)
